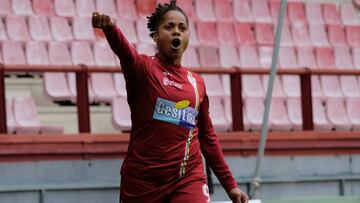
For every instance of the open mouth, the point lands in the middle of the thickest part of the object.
(175, 43)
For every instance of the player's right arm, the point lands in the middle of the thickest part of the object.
(129, 58)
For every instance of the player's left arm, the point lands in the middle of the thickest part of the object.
(211, 149)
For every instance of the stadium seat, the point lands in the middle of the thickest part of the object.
(190, 57)
(331, 14)
(254, 111)
(336, 113)
(294, 109)
(84, 8)
(126, 9)
(245, 34)
(296, 12)
(3, 35)
(83, 29)
(26, 117)
(13, 53)
(242, 11)
(61, 29)
(353, 112)
(5, 8)
(291, 83)
(264, 34)
(129, 32)
(145, 8)
(320, 118)
(65, 8)
(208, 57)
(224, 11)
(356, 57)
(251, 84)
(217, 115)
(286, 37)
(353, 35)
(147, 49)
(188, 7)
(56, 85)
(142, 32)
(300, 34)
(336, 35)
(278, 117)
(228, 56)
(348, 14)
(275, 10)
(43, 7)
(226, 33)
(39, 28)
(36, 53)
(205, 10)
(207, 33)
(120, 85)
(343, 58)
(10, 120)
(318, 35)
(106, 6)
(213, 85)
(278, 90)
(330, 84)
(17, 28)
(121, 115)
(194, 41)
(22, 7)
(260, 11)
(265, 54)
(314, 14)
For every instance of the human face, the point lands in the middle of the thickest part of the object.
(172, 37)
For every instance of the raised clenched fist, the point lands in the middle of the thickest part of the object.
(101, 21)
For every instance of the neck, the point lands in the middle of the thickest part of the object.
(169, 61)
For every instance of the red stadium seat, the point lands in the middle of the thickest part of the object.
(348, 14)
(286, 37)
(17, 28)
(318, 35)
(314, 13)
(130, 31)
(10, 120)
(265, 56)
(190, 57)
(260, 11)
(65, 8)
(120, 85)
(39, 28)
(207, 33)
(245, 34)
(337, 35)
(287, 58)
(275, 11)
(319, 116)
(142, 32)
(278, 117)
(353, 35)
(60, 29)
(120, 111)
(3, 35)
(278, 90)
(205, 10)
(106, 6)
(353, 112)
(294, 112)
(300, 35)
(36, 53)
(343, 58)
(43, 7)
(208, 57)
(248, 57)
(331, 14)
(83, 29)
(84, 8)
(216, 111)
(224, 10)
(145, 8)
(264, 34)
(148, 49)
(356, 57)
(296, 12)
(242, 11)
(194, 41)
(188, 7)
(228, 56)
(213, 84)
(226, 33)
(126, 9)
(13, 53)
(291, 83)
(336, 113)
(22, 7)
(330, 84)
(254, 111)
(5, 8)
(81, 53)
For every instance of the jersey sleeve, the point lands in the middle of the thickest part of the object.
(132, 63)
(211, 149)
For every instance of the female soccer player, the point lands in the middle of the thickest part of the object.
(171, 126)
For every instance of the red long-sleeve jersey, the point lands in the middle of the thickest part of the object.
(171, 126)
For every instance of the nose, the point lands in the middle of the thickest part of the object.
(176, 32)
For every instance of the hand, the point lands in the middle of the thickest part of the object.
(237, 196)
(101, 21)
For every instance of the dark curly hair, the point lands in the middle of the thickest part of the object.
(161, 10)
